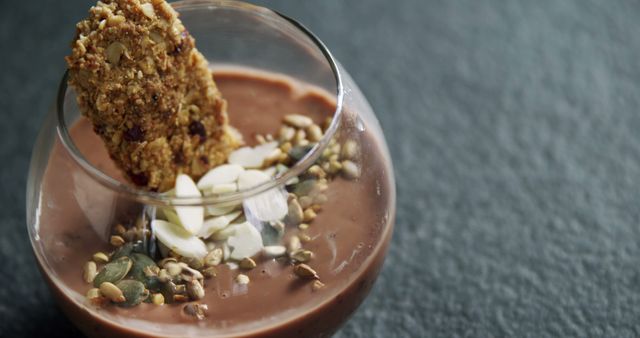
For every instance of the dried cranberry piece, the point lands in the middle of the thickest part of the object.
(138, 179)
(197, 128)
(178, 157)
(134, 134)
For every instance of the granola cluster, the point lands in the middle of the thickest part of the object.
(149, 92)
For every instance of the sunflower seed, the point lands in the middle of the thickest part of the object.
(317, 285)
(89, 272)
(247, 263)
(210, 272)
(112, 292)
(309, 215)
(294, 213)
(157, 299)
(274, 250)
(117, 241)
(100, 257)
(298, 121)
(195, 290)
(349, 150)
(93, 293)
(196, 310)
(302, 256)
(305, 271)
(350, 170)
(294, 244)
(314, 132)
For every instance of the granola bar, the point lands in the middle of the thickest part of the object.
(148, 92)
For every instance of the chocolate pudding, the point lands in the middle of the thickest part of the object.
(348, 237)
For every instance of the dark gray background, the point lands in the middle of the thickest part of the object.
(513, 126)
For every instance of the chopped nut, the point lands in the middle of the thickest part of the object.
(90, 271)
(214, 257)
(100, 257)
(334, 167)
(302, 256)
(210, 272)
(196, 310)
(298, 121)
(303, 226)
(157, 299)
(286, 147)
(147, 10)
(317, 285)
(115, 52)
(316, 171)
(300, 136)
(305, 271)
(242, 279)
(304, 238)
(116, 241)
(164, 276)
(173, 268)
(260, 139)
(247, 263)
(112, 292)
(115, 20)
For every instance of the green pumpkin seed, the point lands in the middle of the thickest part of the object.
(305, 187)
(140, 263)
(298, 152)
(133, 291)
(114, 271)
(122, 251)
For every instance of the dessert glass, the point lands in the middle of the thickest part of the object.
(230, 34)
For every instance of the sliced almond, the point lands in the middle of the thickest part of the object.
(274, 250)
(147, 10)
(249, 158)
(246, 241)
(178, 239)
(226, 173)
(219, 210)
(223, 188)
(216, 224)
(191, 218)
(268, 206)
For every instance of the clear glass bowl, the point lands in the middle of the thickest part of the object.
(76, 197)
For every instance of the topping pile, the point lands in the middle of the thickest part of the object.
(166, 254)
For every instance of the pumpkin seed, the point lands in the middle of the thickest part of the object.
(112, 292)
(305, 187)
(299, 151)
(89, 272)
(122, 251)
(349, 150)
(305, 271)
(114, 271)
(134, 292)
(140, 263)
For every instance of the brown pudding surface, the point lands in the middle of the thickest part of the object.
(349, 236)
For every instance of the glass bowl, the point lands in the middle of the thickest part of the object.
(338, 171)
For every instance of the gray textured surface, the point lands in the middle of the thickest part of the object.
(514, 130)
